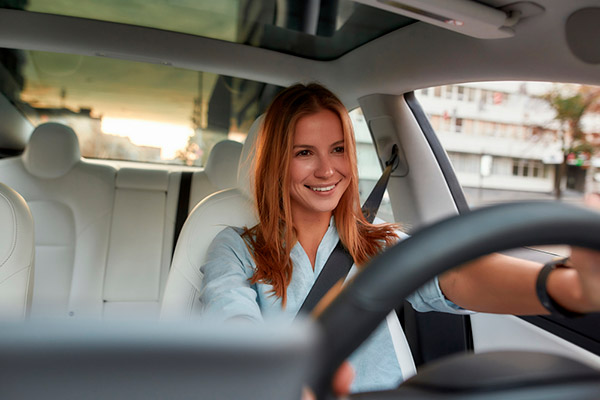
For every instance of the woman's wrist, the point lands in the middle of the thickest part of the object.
(564, 287)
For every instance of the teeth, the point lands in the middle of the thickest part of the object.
(322, 189)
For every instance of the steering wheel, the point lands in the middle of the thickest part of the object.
(382, 286)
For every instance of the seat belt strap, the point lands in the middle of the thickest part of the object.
(182, 205)
(371, 205)
(340, 261)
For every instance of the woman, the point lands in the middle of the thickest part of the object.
(306, 194)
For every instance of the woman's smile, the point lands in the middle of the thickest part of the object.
(321, 188)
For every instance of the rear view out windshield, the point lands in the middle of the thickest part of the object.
(128, 110)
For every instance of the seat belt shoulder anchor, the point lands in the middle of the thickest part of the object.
(393, 160)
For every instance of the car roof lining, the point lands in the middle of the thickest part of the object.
(424, 54)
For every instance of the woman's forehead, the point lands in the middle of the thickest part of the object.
(324, 125)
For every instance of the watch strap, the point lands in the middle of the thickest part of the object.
(540, 287)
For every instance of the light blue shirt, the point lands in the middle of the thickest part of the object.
(226, 293)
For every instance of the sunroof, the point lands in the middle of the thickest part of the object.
(289, 26)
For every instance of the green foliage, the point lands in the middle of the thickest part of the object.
(570, 109)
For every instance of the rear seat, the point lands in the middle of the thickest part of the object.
(104, 236)
(71, 202)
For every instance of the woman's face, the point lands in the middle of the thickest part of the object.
(319, 169)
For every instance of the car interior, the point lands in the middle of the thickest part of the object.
(102, 233)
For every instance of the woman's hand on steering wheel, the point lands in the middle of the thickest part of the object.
(342, 380)
(587, 264)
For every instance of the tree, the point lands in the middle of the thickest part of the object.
(570, 107)
(190, 153)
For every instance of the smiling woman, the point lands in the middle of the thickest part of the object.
(306, 195)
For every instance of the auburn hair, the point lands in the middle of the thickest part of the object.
(272, 239)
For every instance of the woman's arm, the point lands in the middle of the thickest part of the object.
(225, 290)
(503, 284)
(498, 284)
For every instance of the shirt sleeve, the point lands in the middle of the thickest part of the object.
(430, 298)
(225, 291)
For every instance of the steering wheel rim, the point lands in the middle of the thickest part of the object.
(379, 288)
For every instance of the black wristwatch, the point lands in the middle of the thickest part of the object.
(555, 309)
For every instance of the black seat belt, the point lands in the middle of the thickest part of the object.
(340, 261)
(182, 205)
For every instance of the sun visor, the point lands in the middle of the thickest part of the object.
(463, 16)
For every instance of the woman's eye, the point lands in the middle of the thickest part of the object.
(303, 153)
(338, 149)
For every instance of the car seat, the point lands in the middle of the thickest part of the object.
(230, 207)
(71, 201)
(16, 255)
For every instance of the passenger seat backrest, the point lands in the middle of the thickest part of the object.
(71, 203)
(219, 173)
(230, 207)
(16, 255)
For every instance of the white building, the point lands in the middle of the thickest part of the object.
(498, 135)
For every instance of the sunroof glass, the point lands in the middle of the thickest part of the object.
(289, 26)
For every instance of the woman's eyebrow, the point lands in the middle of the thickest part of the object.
(308, 146)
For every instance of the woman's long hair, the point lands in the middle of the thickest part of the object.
(272, 239)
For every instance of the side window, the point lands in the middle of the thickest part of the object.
(511, 141)
(369, 169)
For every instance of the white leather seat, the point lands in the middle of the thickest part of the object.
(219, 173)
(16, 255)
(230, 207)
(140, 243)
(71, 202)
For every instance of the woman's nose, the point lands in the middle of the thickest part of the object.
(324, 168)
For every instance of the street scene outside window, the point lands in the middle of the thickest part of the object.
(519, 140)
(514, 141)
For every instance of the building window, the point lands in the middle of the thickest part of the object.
(460, 93)
(528, 168)
(448, 91)
(470, 94)
(484, 97)
(515, 168)
(458, 125)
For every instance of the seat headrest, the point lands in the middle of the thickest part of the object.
(222, 164)
(52, 151)
(246, 170)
